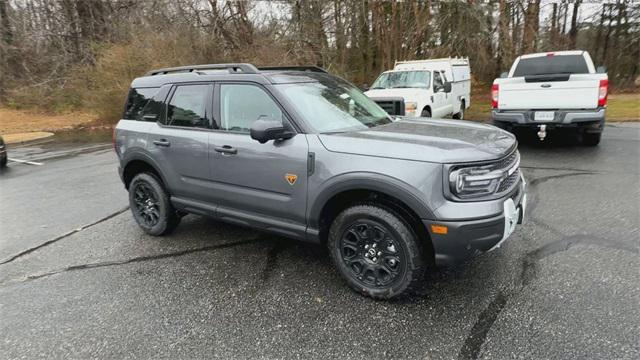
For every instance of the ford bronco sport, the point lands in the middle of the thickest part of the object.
(306, 155)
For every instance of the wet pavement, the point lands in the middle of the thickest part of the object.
(78, 279)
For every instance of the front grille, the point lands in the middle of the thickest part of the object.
(393, 106)
(507, 162)
(509, 182)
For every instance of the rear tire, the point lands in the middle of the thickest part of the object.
(3, 162)
(591, 139)
(376, 252)
(150, 205)
(460, 115)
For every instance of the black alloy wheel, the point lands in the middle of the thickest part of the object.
(146, 204)
(150, 205)
(372, 254)
(376, 251)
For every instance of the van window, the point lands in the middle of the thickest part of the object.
(558, 64)
(136, 101)
(402, 79)
(437, 81)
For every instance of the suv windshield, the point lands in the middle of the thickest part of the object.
(334, 106)
(403, 79)
(558, 64)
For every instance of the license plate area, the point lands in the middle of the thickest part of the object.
(544, 115)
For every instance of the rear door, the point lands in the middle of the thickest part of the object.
(264, 185)
(179, 142)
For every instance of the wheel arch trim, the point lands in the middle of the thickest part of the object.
(367, 181)
(142, 157)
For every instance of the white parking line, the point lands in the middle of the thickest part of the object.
(26, 162)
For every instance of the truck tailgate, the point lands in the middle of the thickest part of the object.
(579, 92)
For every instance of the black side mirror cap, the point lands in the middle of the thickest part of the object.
(447, 87)
(504, 75)
(265, 129)
(365, 87)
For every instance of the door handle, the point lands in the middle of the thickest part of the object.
(226, 149)
(162, 142)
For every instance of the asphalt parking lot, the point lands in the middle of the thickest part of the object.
(79, 279)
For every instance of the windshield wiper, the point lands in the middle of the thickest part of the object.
(400, 87)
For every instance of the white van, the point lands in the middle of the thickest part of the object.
(425, 88)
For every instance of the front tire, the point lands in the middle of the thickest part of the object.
(376, 252)
(150, 205)
(460, 115)
(426, 113)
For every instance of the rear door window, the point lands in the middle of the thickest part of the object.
(136, 101)
(188, 106)
(557, 64)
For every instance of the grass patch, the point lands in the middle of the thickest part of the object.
(14, 121)
(620, 107)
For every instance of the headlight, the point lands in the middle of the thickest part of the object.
(477, 181)
(410, 108)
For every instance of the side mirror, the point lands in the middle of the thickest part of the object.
(601, 70)
(504, 75)
(447, 87)
(365, 87)
(265, 129)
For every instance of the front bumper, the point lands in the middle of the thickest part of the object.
(590, 119)
(468, 238)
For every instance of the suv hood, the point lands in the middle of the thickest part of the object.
(438, 141)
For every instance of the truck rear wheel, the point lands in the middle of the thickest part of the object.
(591, 139)
(376, 251)
(426, 113)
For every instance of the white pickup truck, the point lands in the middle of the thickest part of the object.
(552, 90)
(424, 88)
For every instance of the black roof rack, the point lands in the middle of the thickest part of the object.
(239, 67)
(293, 68)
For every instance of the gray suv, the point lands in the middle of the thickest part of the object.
(306, 155)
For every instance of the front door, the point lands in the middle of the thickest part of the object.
(260, 184)
(439, 96)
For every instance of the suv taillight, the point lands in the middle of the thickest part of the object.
(603, 92)
(494, 96)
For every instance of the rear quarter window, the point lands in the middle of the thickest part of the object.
(136, 101)
(558, 64)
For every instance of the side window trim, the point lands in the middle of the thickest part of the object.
(217, 114)
(208, 107)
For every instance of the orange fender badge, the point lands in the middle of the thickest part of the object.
(291, 178)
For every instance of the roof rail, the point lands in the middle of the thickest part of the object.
(293, 68)
(233, 68)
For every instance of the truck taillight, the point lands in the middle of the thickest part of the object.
(603, 92)
(494, 96)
